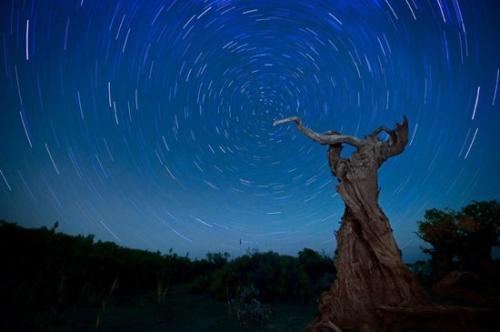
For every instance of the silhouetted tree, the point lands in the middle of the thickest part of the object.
(462, 239)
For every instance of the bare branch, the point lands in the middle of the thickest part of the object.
(379, 130)
(295, 119)
(320, 138)
(397, 141)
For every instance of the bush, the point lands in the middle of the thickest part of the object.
(247, 309)
(274, 276)
(43, 268)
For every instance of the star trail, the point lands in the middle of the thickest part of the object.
(149, 123)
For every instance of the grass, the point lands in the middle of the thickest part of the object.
(180, 311)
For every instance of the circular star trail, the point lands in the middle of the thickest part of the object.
(149, 123)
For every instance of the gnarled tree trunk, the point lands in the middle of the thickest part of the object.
(370, 272)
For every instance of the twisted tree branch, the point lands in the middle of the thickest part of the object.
(323, 139)
(397, 141)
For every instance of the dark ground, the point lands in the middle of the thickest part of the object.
(182, 311)
(50, 281)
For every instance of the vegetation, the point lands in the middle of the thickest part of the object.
(462, 240)
(54, 281)
(46, 272)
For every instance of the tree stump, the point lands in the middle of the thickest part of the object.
(370, 272)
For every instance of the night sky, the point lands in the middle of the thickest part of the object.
(149, 123)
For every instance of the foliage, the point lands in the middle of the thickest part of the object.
(462, 239)
(274, 276)
(49, 270)
(46, 274)
(319, 268)
(247, 309)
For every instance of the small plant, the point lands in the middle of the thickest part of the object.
(163, 282)
(106, 299)
(161, 291)
(247, 309)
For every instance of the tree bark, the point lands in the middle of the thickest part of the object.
(370, 271)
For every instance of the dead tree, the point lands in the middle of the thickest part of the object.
(370, 272)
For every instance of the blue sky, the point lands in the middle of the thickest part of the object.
(149, 123)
